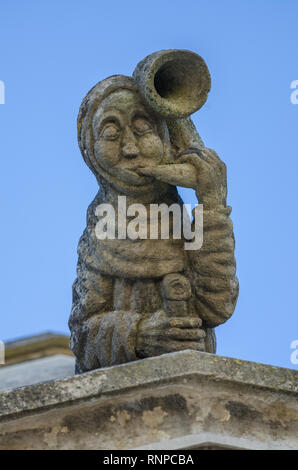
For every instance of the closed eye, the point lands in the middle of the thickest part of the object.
(142, 125)
(110, 131)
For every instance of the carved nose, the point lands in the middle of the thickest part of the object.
(129, 148)
(130, 151)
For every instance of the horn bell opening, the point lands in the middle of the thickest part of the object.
(174, 83)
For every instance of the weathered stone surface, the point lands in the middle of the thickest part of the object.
(180, 400)
(136, 136)
(35, 371)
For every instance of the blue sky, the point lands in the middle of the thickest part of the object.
(53, 52)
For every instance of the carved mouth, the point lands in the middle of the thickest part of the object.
(130, 175)
(135, 168)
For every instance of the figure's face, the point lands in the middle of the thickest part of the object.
(125, 137)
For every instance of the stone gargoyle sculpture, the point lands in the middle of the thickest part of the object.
(145, 291)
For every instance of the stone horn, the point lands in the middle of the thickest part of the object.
(175, 84)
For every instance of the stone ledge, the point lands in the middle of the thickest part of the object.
(156, 400)
(211, 441)
(148, 371)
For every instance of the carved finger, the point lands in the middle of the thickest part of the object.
(186, 334)
(185, 322)
(200, 163)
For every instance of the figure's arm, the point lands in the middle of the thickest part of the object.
(214, 268)
(213, 265)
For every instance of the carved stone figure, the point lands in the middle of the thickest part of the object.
(142, 297)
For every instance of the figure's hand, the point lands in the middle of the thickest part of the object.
(204, 172)
(160, 334)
